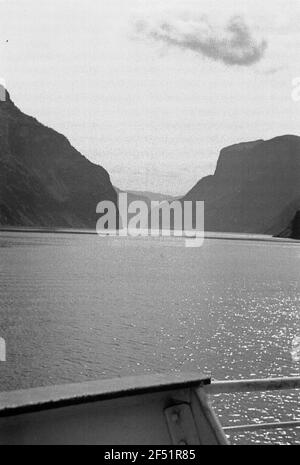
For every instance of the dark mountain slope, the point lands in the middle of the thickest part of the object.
(44, 181)
(255, 187)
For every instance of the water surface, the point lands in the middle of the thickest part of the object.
(82, 307)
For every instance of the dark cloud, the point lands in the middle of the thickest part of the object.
(232, 45)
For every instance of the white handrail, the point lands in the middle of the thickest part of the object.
(251, 385)
(255, 385)
(256, 426)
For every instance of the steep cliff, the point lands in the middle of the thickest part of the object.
(44, 181)
(255, 187)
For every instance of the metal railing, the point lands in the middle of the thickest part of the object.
(256, 385)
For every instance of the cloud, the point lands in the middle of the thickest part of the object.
(233, 44)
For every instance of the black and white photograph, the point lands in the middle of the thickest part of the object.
(150, 225)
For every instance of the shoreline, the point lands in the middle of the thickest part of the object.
(208, 235)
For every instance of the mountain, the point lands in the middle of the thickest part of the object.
(255, 187)
(44, 181)
(153, 196)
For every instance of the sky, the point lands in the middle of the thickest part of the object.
(152, 90)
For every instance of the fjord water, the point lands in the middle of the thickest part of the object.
(78, 307)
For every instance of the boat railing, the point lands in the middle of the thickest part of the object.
(154, 409)
(255, 385)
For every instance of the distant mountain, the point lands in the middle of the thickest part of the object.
(144, 196)
(255, 187)
(133, 196)
(44, 181)
(152, 196)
